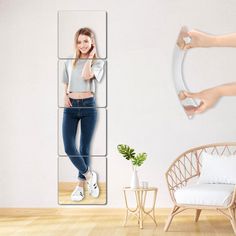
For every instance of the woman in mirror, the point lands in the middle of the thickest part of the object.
(80, 76)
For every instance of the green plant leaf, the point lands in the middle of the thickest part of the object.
(139, 159)
(127, 152)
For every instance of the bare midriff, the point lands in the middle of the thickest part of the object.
(76, 95)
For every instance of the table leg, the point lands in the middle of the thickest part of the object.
(127, 209)
(140, 201)
(151, 212)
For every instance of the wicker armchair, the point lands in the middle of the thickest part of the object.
(186, 169)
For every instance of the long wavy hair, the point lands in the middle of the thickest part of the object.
(83, 31)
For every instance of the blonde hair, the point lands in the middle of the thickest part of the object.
(83, 31)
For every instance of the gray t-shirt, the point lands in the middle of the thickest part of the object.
(76, 83)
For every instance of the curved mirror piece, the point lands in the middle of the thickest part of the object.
(179, 54)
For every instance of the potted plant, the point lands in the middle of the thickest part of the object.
(136, 160)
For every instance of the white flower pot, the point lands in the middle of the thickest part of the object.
(134, 180)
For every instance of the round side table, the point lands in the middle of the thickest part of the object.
(139, 211)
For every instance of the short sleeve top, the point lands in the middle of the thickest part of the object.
(76, 83)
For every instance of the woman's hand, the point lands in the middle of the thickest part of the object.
(87, 73)
(67, 102)
(199, 39)
(93, 52)
(208, 97)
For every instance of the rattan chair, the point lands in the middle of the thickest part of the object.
(186, 168)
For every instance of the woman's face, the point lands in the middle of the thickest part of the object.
(84, 43)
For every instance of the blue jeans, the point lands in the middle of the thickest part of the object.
(83, 111)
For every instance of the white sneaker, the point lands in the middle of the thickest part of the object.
(78, 194)
(93, 186)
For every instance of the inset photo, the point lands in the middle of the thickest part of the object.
(76, 187)
(82, 34)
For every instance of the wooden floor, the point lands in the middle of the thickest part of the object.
(105, 222)
(66, 188)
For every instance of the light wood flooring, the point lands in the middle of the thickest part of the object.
(66, 188)
(105, 222)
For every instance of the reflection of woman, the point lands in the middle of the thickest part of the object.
(210, 96)
(79, 78)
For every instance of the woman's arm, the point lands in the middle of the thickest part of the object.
(209, 97)
(227, 89)
(95, 70)
(200, 39)
(87, 70)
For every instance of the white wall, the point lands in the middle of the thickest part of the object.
(143, 110)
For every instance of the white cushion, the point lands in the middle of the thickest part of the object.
(205, 194)
(218, 169)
